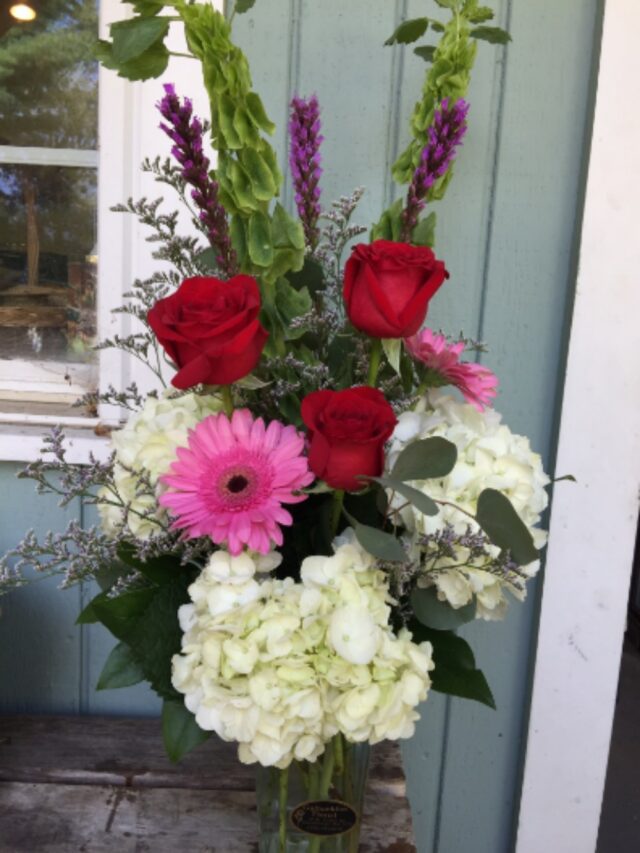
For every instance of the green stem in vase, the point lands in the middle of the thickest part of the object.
(227, 399)
(340, 765)
(336, 510)
(375, 355)
(282, 804)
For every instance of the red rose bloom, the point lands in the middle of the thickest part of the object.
(347, 431)
(387, 287)
(210, 329)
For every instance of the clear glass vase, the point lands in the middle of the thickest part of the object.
(314, 807)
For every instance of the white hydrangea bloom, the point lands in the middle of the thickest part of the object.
(147, 446)
(489, 456)
(283, 671)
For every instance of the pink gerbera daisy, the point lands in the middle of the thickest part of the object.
(476, 383)
(232, 479)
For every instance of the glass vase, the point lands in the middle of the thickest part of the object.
(314, 807)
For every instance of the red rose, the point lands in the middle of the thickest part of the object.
(210, 329)
(347, 431)
(387, 287)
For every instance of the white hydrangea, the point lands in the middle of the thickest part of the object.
(146, 446)
(285, 666)
(489, 456)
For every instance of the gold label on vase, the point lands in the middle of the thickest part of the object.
(324, 817)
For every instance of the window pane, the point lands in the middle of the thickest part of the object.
(48, 78)
(47, 262)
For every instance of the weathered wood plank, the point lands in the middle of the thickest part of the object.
(129, 752)
(102, 819)
(99, 785)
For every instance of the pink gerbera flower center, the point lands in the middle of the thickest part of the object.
(232, 479)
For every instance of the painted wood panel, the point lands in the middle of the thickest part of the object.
(506, 231)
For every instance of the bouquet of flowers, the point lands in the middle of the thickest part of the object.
(293, 529)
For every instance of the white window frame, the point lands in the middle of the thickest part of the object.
(127, 132)
(593, 522)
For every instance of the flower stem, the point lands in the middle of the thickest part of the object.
(282, 803)
(336, 510)
(227, 399)
(375, 356)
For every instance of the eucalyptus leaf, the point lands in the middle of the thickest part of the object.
(494, 35)
(379, 544)
(437, 614)
(502, 524)
(425, 459)
(409, 31)
(180, 732)
(422, 502)
(120, 670)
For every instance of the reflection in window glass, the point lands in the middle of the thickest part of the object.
(48, 102)
(48, 78)
(47, 267)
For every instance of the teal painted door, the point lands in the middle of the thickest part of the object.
(506, 231)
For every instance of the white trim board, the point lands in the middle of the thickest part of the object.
(593, 522)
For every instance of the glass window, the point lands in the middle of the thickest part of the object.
(48, 161)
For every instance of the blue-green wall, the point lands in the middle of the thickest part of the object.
(506, 231)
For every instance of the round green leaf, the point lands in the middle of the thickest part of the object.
(440, 615)
(502, 524)
(426, 459)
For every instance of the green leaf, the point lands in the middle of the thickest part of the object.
(392, 348)
(502, 524)
(424, 234)
(260, 244)
(480, 15)
(180, 731)
(160, 570)
(455, 670)
(448, 4)
(208, 258)
(258, 114)
(382, 545)
(243, 6)
(122, 613)
(133, 37)
(437, 614)
(310, 276)
(287, 231)
(409, 31)
(426, 52)
(494, 35)
(87, 615)
(151, 63)
(262, 182)
(421, 501)
(226, 113)
(291, 303)
(425, 459)
(120, 670)
(146, 7)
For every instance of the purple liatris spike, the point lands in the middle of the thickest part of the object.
(445, 134)
(185, 131)
(304, 161)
